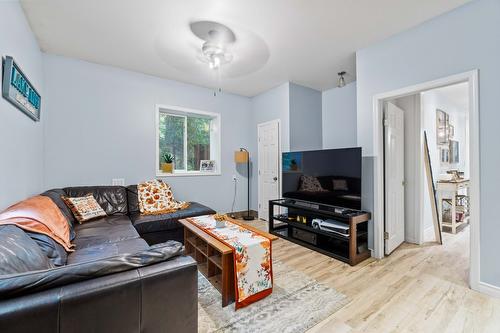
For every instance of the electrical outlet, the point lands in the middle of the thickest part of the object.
(118, 182)
(234, 178)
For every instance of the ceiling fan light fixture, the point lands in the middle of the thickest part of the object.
(215, 54)
(214, 62)
(341, 80)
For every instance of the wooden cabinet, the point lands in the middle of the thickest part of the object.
(453, 196)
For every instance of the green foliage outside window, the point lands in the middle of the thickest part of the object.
(198, 142)
(171, 140)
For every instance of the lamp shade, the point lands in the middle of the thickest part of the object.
(241, 156)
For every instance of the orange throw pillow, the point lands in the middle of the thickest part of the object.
(156, 197)
(84, 208)
(41, 215)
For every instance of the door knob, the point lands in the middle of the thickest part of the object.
(275, 178)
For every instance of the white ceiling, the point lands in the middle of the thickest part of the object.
(303, 41)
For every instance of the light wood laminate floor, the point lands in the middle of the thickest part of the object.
(415, 289)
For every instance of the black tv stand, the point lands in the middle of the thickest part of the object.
(339, 232)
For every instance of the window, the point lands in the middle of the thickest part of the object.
(190, 136)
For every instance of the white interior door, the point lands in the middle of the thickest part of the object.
(268, 165)
(394, 177)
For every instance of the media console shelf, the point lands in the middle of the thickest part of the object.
(338, 232)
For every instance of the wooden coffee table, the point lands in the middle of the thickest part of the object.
(214, 258)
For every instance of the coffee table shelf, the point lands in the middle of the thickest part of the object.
(216, 281)
(216, 259)
(213, 259)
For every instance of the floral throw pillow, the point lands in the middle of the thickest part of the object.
(156, 197)
(84, 208)
(310, 184)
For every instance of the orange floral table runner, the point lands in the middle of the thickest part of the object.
(252, 258)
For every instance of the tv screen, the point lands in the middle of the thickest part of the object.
(330, 176)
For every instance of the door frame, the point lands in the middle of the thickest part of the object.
(259, 187)
(471, 77)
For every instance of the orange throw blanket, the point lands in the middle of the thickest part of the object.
(39, 214)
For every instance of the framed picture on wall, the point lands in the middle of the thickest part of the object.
(444, 154)
(451, 131)
(19, 91)
(442, 127)
(454, 152)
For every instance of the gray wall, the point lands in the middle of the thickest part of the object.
(305, 118)
(270, 105)
(102, 126)
(21, 149)
(339, 117)
(367, 193)
(464, 39)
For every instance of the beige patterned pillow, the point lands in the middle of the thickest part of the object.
(84, 208)
(310, 184)
(156, 197)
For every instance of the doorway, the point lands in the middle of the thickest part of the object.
(415, 212)
(269, 165)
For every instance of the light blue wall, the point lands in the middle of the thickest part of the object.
(305, 118)
(340, 130)
(270, 105)
(21, 146)
(464, 39)
(102, 126)
(339, 117)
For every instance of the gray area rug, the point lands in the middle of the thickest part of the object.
(296, 304)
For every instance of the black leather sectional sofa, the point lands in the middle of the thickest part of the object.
(127, 273)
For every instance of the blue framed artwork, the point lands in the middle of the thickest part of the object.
(18, 90)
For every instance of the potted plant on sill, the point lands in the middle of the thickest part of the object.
(168, 163)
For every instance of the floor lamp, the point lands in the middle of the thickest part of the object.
(243, 156)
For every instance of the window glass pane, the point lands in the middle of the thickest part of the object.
(198, 141)
(172, 139)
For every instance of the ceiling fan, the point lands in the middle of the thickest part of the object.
(208, 49)
(218, 39)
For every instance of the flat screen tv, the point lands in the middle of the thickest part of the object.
(330, 176)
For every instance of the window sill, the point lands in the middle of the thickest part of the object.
(187, 174)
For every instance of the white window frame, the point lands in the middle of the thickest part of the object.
(215, 137)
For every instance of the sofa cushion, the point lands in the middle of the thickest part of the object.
(113, 199)
(154, 223)
(53, 250)
(106, 250)
(31, 282)
(133, 199)
(109, 229)
(19, 253)
(56, 196)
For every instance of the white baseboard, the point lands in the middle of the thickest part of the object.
(428, 233)
(489, 289)
(411, 240)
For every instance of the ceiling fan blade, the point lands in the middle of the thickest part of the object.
(211, 31)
